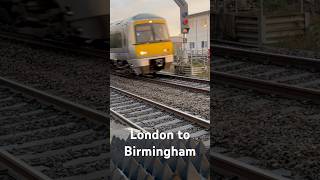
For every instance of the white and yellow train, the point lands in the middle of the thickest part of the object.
(142, 44)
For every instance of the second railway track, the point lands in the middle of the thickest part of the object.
(182, 82)
(191, 83)
(45, 137)
(272, 73)
(57, 45)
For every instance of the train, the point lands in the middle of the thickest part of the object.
(82, 20)
(141, 44)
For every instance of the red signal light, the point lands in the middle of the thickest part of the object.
(185, 21)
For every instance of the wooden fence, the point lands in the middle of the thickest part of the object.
(256, 29)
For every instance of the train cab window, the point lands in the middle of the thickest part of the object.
(116, 40)
(146, 33)
(160, 32)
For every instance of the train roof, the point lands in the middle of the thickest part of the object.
(138, 17)
(144, 16)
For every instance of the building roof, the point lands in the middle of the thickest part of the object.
(199, 14)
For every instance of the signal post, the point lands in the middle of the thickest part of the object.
(184, 25)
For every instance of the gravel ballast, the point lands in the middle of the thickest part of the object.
(192, 103)
(77, 78)
(280, 133)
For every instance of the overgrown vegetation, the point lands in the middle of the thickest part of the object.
(204, 75)
(199, 63)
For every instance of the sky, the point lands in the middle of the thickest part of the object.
(122, 9)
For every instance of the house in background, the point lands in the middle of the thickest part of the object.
(198, 37)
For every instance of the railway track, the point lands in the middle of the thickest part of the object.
(189, 83)
(225, 167)
(46, 137)
(147, 116)
(288, 76)
(266, 57)
(291, 76)
(57, 45)
(257, 124)
(221, 42)
(150, 115)
(193, 84)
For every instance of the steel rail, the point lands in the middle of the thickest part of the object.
(66, 47)
(20, 168)
(17, 165)
(193, 119)
(232, 167)
(187, 79)
(125, 120)
(266, 57)
(234, 43)
(266, 86)
(46, 98)
(172, 84)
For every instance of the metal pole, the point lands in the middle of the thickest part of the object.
(183, 5)
(236, 6)
(261, 23)
(261, 8)
(208, 40)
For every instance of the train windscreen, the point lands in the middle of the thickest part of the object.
(148, 33)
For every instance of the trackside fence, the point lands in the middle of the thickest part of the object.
(256, 29)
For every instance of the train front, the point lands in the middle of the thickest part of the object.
(152, 46)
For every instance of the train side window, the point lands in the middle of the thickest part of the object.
(116, 40)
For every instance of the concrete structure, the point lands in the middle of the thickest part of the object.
(199, 34)
(177, 42)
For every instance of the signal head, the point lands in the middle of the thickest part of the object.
(185, 21)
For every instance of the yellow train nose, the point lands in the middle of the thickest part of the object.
(154, 49)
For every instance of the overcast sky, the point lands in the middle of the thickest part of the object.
(121, 9)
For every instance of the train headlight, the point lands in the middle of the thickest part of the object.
(143, 53)
(165, 50)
